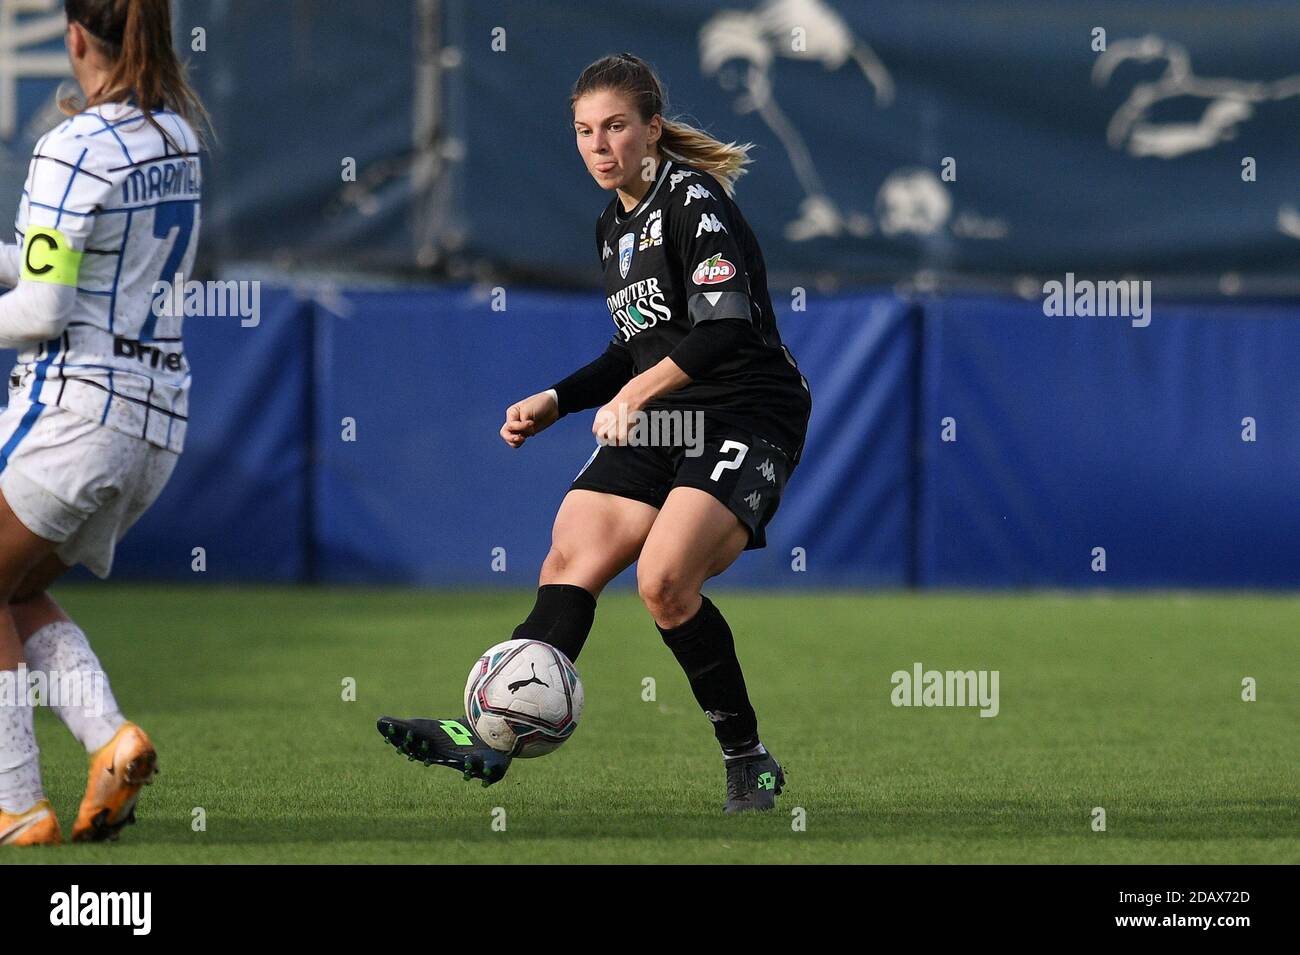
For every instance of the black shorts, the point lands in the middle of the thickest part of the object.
(743, 471)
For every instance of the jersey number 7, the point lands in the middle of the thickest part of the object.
(166, 217)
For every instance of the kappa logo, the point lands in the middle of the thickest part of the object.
(709, 223)
(768, 472)
(606, 252)
(652, 233)
(677, 177)
(625, 245)
(713, 270)
(696, 191)
(753, 500)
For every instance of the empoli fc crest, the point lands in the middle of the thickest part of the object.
(625, 253)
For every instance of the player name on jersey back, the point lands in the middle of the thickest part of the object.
(162, 180)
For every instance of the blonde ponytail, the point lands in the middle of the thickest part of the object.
(725, 162)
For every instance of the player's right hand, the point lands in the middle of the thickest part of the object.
(528, 417)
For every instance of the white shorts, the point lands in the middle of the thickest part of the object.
(76, 483)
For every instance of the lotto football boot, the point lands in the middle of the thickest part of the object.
(117, 771)
(37, 826)
(447, 743)
(753, 783)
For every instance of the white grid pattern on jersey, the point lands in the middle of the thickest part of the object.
(128, 198)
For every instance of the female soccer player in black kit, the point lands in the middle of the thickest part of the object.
(695, 340)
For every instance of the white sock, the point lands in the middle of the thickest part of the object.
(61, 649)
(20, 765)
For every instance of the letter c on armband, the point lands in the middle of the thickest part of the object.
(49, 257)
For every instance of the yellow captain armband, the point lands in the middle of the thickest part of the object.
(49, 257)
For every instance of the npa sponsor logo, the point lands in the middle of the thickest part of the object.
(713, 270)
(625, 245)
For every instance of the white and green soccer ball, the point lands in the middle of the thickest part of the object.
(523, 697)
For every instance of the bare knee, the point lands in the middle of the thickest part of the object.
(584, 569)
(671, 599)
(554, 566)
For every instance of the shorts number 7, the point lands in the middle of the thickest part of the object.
(729, 465)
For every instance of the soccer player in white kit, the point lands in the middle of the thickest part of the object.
(98, 399)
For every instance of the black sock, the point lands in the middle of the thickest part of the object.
(706, 651)
(562, 617)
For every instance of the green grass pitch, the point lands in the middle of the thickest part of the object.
(1130, 703)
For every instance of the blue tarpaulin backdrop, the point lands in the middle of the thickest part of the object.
(1070, 434)
(995, 140)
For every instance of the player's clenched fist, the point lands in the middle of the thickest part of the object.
(527, 417)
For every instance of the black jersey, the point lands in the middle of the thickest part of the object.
(686, 255)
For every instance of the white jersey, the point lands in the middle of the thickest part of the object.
(124, 200)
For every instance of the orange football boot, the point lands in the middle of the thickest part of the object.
(37, 826)
(117, 771)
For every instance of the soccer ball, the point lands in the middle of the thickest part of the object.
(523, 697)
